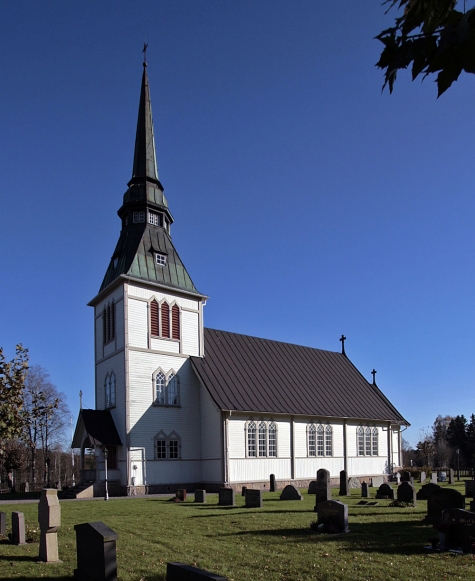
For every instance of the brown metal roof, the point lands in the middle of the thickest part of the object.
(258, 375)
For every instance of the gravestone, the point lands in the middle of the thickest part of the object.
(354, 483)
(406, 493)
(451, 477)
(367, 503)
(333, 514)
(406, 476)
(364, 490)
(312, 487)
(3, 524)
(423, 477)
(385, 491)
(226, 497)
(272, 487)
(470, 488)
(49, 517)
(433, 477)
(442, 499)
(343, 483)
(459, 528)
(243, 491)
(200, 495)
(427, 490)
(182, 572)
(253, 498)
(290, 493)
(18, 528)
(324, 491)
(376, 481)
(96, 552)
(181, 494)
(398, 478)
(442, 476)
(472, 506)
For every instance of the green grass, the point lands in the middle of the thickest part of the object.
(272, 543)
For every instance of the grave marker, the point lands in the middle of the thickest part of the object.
(461, 528)
(427, 490)
(226, 497)
(406, 493)
(470, 488)
(406, 476)
(441, 500)
(323, 492)
(364, 490)
(354, 483)
(181, 494)
(253, 498)
(49, 517)
(385, 491)
(272, 486)
(200, 495)
(96, 552)
(312, 487)
(451, 477)
(18, 528)
(376, 481)
(333, 514)
(290, 493)
(243, 491)
(182, 572)
(433, 477)
(423, 477)
(343, 483)
(3, 524)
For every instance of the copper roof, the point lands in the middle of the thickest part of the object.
(259, 375)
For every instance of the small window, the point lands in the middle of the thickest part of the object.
(173, 449)
(160, 388)
(160, 259)
(109, 391)
(166, 388)
(108, 323)
(367, 438)
(272, 440)
(262, 439)
(328, 441)
(167, 446)
(374, 443)
(139, 217)
(154, 219)
(161, 449)
(320, 441)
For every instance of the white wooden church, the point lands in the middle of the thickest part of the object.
(182, 406)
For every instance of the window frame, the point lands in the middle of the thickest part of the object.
(170, 446)
(168, 378)
(164, 316)
(261, 438)
(367, 441)
(110, 391)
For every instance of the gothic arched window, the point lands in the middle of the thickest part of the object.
(251, 439)
(312, 440)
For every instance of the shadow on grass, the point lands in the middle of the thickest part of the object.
(12, 558)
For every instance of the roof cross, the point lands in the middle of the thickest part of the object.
(144, 50)
(373, 373)
(343, 339)
(80, 399)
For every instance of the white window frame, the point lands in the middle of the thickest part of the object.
(172, 446)
(251, 439)
(170, 384)
(311, 440)
(160, 259)
(261, 439)
(367, 441)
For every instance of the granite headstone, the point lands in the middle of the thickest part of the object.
(96, 552)
(226, 497)
(343, 483)
(385, 491)
(333, 514)
(290, 493)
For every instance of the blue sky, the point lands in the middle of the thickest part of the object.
(307, 203)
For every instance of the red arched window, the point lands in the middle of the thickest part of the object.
(175, 322)
(154, 328)
(165, 312)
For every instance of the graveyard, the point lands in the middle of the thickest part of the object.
(272, 542)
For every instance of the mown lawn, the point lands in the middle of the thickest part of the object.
(272, 543)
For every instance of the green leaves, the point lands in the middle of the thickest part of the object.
(433, 37)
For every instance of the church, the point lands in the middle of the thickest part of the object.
(178, 405)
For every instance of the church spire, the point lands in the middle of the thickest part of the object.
(145, 160)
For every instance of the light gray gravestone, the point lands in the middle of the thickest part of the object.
(324, 491)
(290, 493)
(253, 498)
(470, 488)
(343, 483)
(398, 478)
(406, 493)
(49, 517)
(354, 483)
(333, 514)
(3, 524)
(459, 529)
(385, 491)
(364, 490)
(181, 494)
(18, 528)
(182, 572)
(96, 552)
(312, 487)
(376, 481)
(451, 477)
(200, 495)
(272, 487)
(423, 477)
(226, 497)
(442, 499)
(433, 477)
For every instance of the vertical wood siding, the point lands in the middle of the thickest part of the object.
(211, 438)
(138, 323)
(190, 332)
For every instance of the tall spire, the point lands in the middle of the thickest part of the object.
(145, 160)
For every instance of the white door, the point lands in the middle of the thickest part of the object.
(137, 466)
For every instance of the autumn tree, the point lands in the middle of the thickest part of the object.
(430, 36)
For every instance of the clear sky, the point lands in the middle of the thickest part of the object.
(307, 203)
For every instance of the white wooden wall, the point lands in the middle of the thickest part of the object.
(212, 436)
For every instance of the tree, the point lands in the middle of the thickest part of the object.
(457, 434)
(433, 37)
(12, 382)
(439, 429)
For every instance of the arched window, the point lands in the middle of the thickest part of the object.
(251, 439)
(164, 322)
(374, 435)
(108, 323)
(172, 390)
(312, 440)
(107, 392)
(360, 437)
(176, 322)
(320, 441)
(367, 441)
(160, 388)
(112, 390)
(167, 446)
(328, 441)
(165, 315)
(262, 439)
(154, 324)
(272, 439)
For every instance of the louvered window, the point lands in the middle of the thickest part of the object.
(175, 322)
(165, 312)
(154, 328)
(108, 323)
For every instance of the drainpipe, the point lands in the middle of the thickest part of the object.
(390, 447)
(292, 449)
(345, 447)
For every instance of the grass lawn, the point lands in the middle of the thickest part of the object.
(272, 543)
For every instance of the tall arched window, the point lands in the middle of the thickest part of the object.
(312, 440)
(368, 444)
(328, 440)
(172, 390)
(160, 388)
(360, 437)
(109, 391)
(262, 439)
(251, 439)
(108, 323)
(165, 315)
(374, 436)
(367, 441)
(320, 441)
(175, 322)
(272, 440)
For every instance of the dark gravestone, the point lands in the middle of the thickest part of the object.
(200, 495)
(427, 490)
(367, 503)
(423, 477)
(181, 572)
(406, 493)
(324, 491)
(385, 491)
(364, 490)
(18, 528)
(472, 506)
(433, 477)
(96, 552)
(406, 476)
(243, 491)
(459, 529)
(470, 488)
(272, 487)
(253, 498)
(441, 500)
(333, 514)
(181, 494)
(226, 497)
(343, 483)
(3, 524)
(290, 493)
(312, 487)
(451, 477)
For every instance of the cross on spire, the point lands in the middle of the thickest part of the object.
(144, 50)
(373, 373)
(80, 399)
(343, 339)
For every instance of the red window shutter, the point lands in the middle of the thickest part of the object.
(154, 318)
(108, 323)
(113, 321)
(165, 312)
(104, 326)
(175, 322)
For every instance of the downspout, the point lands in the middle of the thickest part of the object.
(390, 454)
(292, 449)
(126, 385)
(345, 448)
(226, 448)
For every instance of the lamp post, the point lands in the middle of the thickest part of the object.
(458, 464)
(105, 451)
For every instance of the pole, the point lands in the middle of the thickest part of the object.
(106, 453)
